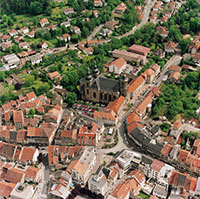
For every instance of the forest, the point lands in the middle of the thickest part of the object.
(25, 6)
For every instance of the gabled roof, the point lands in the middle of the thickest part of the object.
(14, 175)
(118, 63)
(18, 116)
(134, 84)
(6, 188)
(27, 154)
(78, 166)
(31, 172)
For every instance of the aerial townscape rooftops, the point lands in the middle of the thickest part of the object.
(100, 99)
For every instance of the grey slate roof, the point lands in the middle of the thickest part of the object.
(106, 84)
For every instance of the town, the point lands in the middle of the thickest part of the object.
(100, 99)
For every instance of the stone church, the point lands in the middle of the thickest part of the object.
(97, 88)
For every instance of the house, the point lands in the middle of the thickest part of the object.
(153, 171)
(66, 24)
(65, 37)
(35, 59)
(98, 3)
(68, 11)
(54, 115)
(170, 47)
(66, 137)
(110, 114)
(82, 167)
(6, 189)
(196, 58)
(14, 175)
(98, 184)
(76, 30)
(18, 119)
(28, 155)
(135, 86)
(153, 19)
(127, 158)
(196, 148)
(149, 75)
(24, 45)
(44, 22)
(194, 48)
(25, 30)
(31, 34)
(174, 68)
(162, 31)
(11, 60)
(44, 45)
(51, 27)
(89, 135)
(122, 191)
(120, 8)
(117, 66)
(129, 56)
(174, 77)
(31, 96)
(33, 174)
(160, 191)
(53, 75)
(111, 24)
(6, 45)
(13, 32)
(155, 68)
(96, 13)
(5, 38)
(61, 188)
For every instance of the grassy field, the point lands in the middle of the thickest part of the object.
(143, 195)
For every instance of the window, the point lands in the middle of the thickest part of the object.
(94, 95)
(101, 96)
(109, 97)
(88, 91)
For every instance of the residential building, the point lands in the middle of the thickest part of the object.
(76, 30)
(98, 184)
(117, 66)
(33, 174)
(6, 189)
(65, 37)
(81, 168)
(120, 8)
(25, 30)
(196, 58)
(66, 24)
(127, 158)
(13, 33)
(170, 47)
(149, 75)
(174, 77)
(28, 155)
(18, 119)
(98, 3)
(35, 59)
(44, 45)
(66, 137)
(44, 22)
(68, 11)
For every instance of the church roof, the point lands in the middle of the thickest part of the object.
(106, 84)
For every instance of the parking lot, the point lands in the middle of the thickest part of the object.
(88, 109)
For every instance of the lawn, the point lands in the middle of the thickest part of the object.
(143, 195)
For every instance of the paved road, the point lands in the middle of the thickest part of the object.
(121, 127)
(145, 19)
(95, 31)
(121, 143)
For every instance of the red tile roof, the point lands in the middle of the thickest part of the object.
(31, 173)
(14, 175)
(6, 188)
(166, 149)
(27, 154)
(157, 165)
(139, 49)
(18, 116)
(31, 96)
(183, 154)
(175, 68)
(134, 84)
(118, 63)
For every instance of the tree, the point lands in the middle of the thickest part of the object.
(31, 113)
(29, 80)
(165, 127)
(35, 74)
(2, 76)
(85, 32)
(184, 44)
(36, 8)
(47, 35)
(71, 98)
